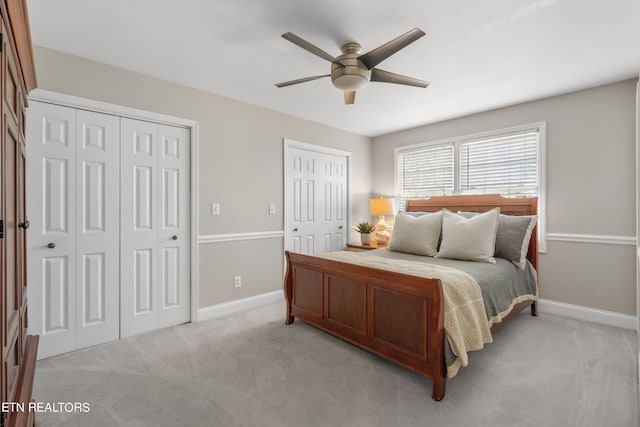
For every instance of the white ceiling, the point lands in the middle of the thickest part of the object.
(477, 54)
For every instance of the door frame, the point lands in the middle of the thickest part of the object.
(50, 97)
(289, 144)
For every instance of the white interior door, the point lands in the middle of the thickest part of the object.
(174, 225)
(334, 206)
(154, 251)
(316, 199)
(138, 225)
(51, 180)
(97, 228)
(73, 198)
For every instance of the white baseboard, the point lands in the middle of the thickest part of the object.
(604, 317)
(225, 308)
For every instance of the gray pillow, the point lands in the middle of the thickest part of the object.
(471, 239)
(416, 234)
(512, 237)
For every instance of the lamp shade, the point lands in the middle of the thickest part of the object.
(382, 206)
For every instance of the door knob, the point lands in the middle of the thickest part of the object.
(24, 225)
(340, 228)
(174, 237)
(51, 245)
(295, 229)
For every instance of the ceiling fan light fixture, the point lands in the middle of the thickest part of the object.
(350, 82)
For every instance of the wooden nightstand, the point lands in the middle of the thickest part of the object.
(359, 247)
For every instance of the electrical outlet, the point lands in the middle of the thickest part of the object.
(215, 208)
(237, 281)
(272, 208)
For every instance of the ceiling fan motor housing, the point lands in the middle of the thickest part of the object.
(353, 75)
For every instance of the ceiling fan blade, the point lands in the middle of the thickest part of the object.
(378, 75)
(379, 54)
(310, 48)
(295, 82)
(349, 97)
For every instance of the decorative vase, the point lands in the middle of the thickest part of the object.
(365, 238)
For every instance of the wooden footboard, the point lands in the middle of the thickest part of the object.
(397, 316)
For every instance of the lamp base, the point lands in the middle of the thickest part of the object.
(382, 235)
(382, 239)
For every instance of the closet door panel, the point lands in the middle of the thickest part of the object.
(173, 230)
(138, 224)
(52, 234)
(97, 228)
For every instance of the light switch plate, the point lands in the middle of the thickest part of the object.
(272, 208)
(215, 208)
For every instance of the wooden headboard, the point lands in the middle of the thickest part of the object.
(483, 203)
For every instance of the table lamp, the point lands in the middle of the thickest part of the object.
(381, 207)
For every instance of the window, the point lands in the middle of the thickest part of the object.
(507, 162)
(504, 164)
(425, 171)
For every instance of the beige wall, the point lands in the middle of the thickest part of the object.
(590, 176)
(240, 163)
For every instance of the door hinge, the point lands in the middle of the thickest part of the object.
(1, 228)
(1, 44)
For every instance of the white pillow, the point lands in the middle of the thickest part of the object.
(512, 237)
(416, 235)
(472, 239)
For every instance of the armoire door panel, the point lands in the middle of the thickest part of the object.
(12, 298)
(17, 351)
(22, 231)
(11, 368)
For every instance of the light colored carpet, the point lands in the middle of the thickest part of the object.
(249, 369)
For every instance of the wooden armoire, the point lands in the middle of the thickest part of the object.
(18, 351)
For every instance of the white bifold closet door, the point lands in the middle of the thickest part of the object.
(154, 226)
(315, 201)
(109, 203)
(73, 201)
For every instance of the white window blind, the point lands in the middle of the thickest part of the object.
(424, 172)
(506, 164)
(503, 163)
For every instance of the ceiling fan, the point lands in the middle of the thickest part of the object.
(352, 71)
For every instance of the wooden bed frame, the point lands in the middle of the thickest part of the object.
(394, 315)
